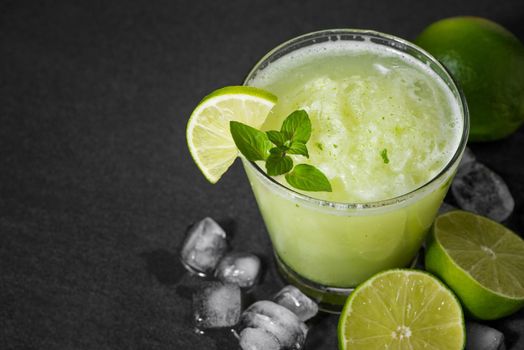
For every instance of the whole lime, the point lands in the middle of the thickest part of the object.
(488, 62)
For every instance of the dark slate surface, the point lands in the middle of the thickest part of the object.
(96, 183)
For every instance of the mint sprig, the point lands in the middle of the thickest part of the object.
(274, 146)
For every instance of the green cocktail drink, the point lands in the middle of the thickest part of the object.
(388, 129)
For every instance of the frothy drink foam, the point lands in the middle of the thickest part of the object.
(383, 123)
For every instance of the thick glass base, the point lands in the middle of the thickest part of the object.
(329, 299)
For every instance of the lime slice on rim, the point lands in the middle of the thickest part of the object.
(207, 133)
(481, 260)
(401, 309)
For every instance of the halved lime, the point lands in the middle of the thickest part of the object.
(481, 261)
(401, 309)
(207, 133)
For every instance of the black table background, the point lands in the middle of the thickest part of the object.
(96, 183)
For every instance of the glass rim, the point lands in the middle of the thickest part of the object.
(461, 100)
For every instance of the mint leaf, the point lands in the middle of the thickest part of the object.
(298, 147)
(278, 164)
(308, 178)
(278, 151)
(384, 155)
(276, 137)
(252, 143)
(297, 126)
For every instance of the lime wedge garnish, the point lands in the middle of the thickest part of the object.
(401, 309)
(481, 260)
(207, 133)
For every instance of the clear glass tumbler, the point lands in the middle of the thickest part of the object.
(328, 248)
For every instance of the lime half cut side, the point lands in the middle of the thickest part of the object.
(481, 260)
(207, 133)
(401, 309)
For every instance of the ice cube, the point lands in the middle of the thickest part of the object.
(480, 337)
(217, 305)
(445, 207)
(293, 299)
(277, 320)
(258, 339)
(478, 189)
(204, 246)
(239, 268)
